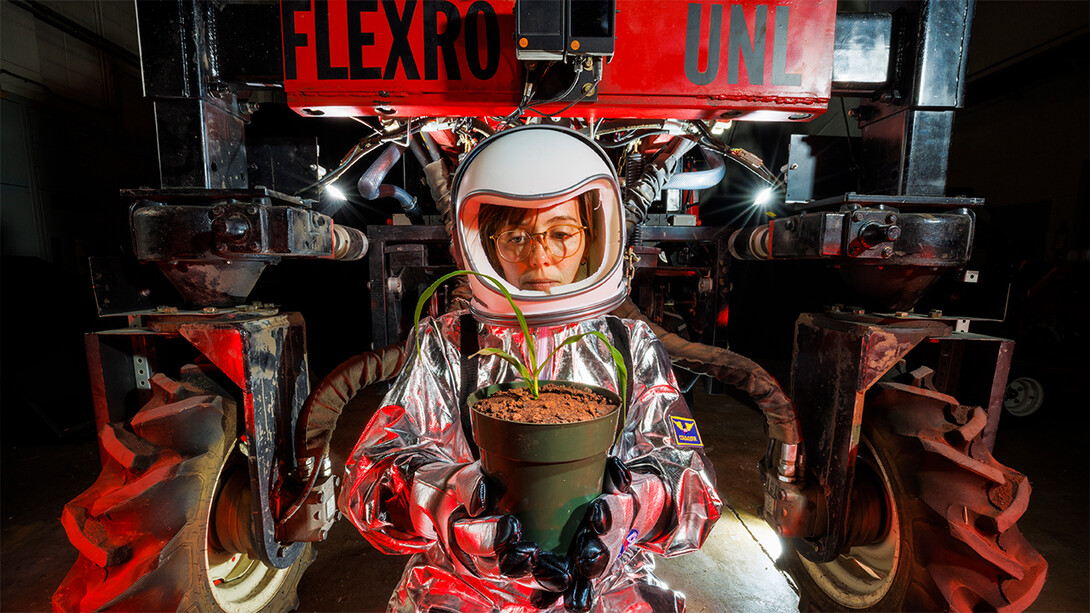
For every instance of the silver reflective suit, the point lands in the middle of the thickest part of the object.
(419, 424)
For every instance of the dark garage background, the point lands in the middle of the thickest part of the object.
(75, 130)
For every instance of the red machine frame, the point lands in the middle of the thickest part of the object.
(398, 65)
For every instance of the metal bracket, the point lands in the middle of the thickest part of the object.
(836, 361)
(266, 357)
(142, 371)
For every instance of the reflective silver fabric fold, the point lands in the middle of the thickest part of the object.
(419, 424)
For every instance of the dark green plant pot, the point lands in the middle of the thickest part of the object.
(548, 473)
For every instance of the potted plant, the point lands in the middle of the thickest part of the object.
(548, 470)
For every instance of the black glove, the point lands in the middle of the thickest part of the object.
(515, 559)
(626, 513)
(452, 502)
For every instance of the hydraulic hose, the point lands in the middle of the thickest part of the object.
(431, 147)
(438, 178)
(318, 419)
(418, 151)
(733, 369)
(407, 202)
(656, 173)
(323, 407)
(424, 148)
(370, 184)
(700, 179)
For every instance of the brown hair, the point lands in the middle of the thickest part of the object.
(494, 217)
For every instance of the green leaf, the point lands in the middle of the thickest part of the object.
(531, 371)
(523, 371)
(531, 349)
(424, 298)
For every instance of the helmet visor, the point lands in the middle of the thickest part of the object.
(544, 247)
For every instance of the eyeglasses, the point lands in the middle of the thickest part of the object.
(559, 241)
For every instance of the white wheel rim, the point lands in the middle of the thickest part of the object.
(862, 576)
(241, 584)
(238, 583)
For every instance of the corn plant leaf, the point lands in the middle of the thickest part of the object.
(523, 371)
(531, 350)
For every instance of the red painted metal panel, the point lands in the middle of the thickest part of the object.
(673, 59)
(222, 345)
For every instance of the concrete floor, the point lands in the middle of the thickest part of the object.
(735, 571)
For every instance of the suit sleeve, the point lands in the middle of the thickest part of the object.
(417, 429)
(661, 440)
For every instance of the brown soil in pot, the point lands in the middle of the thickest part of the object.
(555, 404)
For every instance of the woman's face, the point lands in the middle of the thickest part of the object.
(541, 270)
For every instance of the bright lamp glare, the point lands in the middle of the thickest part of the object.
(335, 193)
(763, 197)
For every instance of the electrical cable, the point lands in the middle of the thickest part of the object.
(527, 95)
(353, 156)
(373, 128)
(529, 89)
(571, 104)
(706, 132)
(745, 158)
(586, 94)
(361, 150)
(561, 96)
(628, 125)
(625, 140)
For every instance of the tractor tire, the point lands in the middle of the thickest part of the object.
(146, 530)
(947, 538)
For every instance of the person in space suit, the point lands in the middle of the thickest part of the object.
(537, 207)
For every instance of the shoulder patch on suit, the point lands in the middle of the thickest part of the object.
(685, 432)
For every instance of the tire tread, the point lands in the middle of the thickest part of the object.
(966, 552)
(140, 546)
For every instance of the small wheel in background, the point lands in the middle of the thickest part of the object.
(1024, 396)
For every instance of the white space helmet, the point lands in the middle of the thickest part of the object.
(533, 167)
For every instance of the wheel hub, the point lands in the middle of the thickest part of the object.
(1023, 396)
(232, 516)
(868, 522)
(240, 582)
(861, 576)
